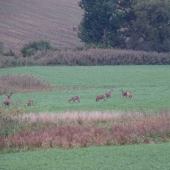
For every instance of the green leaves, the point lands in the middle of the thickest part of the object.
(101, 20)
(133, 24)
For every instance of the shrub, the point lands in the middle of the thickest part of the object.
(30, 48)
(10, 53)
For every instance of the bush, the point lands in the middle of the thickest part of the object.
(10, 53)
(30, 48)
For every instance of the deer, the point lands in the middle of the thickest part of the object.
(30, 102)
(129, 94)
(6, 102)
(75, 98)
(124, 94)
(100, 97)
(108, 94)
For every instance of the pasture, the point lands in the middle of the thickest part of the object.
(150, 88)
(132, 157)
(149, 84)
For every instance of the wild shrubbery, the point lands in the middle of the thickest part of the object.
(30, 48)
(82, 129)
(89, 57)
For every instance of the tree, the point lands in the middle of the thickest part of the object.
(150, 28)
(101, 22)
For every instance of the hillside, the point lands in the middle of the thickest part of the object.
(22, 21)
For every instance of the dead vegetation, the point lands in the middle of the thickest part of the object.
(23, 84)
(84, 129)
(90, 57)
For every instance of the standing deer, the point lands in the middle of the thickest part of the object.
(100, 97)
(6, 102)
(75, 98)
(124, 94)
(108, 94)
(30, 102)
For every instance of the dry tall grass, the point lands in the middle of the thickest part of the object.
(22, 84)
(83, 129)
(90, 57)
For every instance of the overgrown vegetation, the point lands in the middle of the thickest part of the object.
(30, 48)
(90, 57)
(22, 84)
(78, 129)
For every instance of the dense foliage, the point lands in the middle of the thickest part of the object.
(30, 48)
(136, 24)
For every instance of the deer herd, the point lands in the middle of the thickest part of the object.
(107, 95)
(6, 102)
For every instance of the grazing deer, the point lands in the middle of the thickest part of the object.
(124, 94)
(6, 102)
(75, 98)
(108, 94)
(30, 102)
(129, 94)
(100, 97)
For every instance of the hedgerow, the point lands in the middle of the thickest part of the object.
(90, 57)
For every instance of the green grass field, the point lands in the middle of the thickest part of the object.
(150, 87)
(136, 157)
(149, 84)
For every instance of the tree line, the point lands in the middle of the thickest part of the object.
(126, 24)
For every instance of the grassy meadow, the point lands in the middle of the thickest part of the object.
(149, 84)
(87, 130)
(132, 157)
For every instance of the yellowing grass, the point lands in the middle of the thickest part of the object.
(84, 129)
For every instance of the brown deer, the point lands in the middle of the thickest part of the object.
(124, 94)
(129, 94)
(108, 94)
(75, 98)
(30, 102)
(100, 97)
(6, 102)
